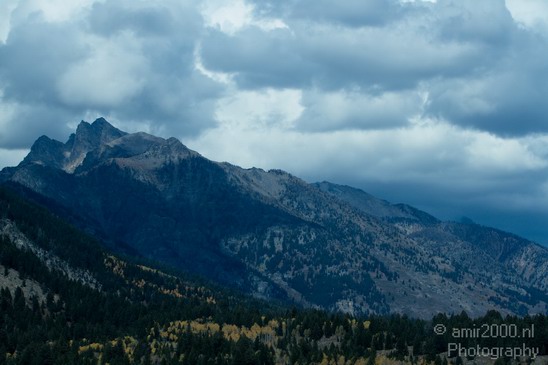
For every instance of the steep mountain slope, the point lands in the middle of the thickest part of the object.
(528, 260)
(66, 300)
(277, 236)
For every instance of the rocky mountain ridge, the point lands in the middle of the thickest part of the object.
(277, 236)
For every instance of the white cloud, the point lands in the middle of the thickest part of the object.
(55, 11)
(228, 16)
(532, 14)
(232, 15)
(7, 112)
(111, 75)
(355, 109)
(487, 153)
(259, 110)
(6, 8)
(12, 157)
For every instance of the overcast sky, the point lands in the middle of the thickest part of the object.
(441, 105)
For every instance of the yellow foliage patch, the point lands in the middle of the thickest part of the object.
(231, 332)
(116, 265)
(95, 347)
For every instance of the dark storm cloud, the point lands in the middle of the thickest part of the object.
(479, 69)
(129, 61)
(259, 58)
(319, 56)
(34, 57)
(445, 187)
(32, 120)
(508, 98)
(136, 61)
(504, 91)
(31, 61)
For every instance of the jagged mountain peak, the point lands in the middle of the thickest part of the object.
(87, 138)
(68, 156)
(45, 151)
(90, 136)
(99, 125)
(102, 123)
(100, 141)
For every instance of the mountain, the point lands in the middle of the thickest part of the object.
(65, 299)
(274, 235)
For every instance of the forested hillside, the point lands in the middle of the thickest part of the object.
(64, 299)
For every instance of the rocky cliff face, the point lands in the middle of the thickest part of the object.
(275, 235)
(68, 156)
(9, 230)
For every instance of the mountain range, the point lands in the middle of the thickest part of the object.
(272, 234)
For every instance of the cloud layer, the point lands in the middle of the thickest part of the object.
(435, 103)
